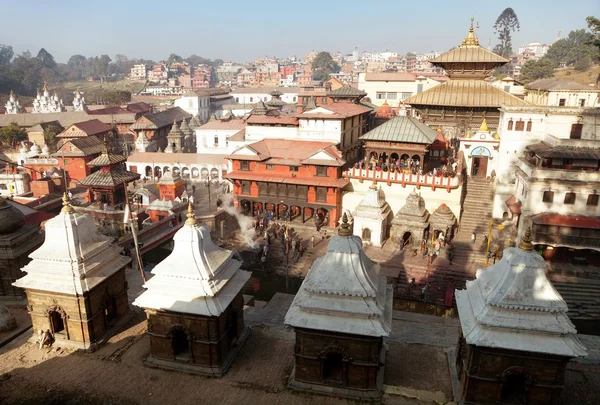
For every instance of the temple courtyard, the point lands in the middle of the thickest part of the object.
(116, 374)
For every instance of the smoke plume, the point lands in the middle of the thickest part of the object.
(246, 223)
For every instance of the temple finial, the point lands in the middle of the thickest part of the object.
(470, 39)
(373, 186)
(484, 126)
(526, 241)
(344, 227)
(66, 204)
(191, 217)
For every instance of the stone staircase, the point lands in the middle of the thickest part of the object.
(475, 218)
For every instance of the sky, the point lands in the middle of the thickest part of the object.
(244, 30)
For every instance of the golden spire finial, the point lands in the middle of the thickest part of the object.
(66, 204)
(483, 127)
(45, 86)
(344, 227)
(470, 39)
(191, 217)
(526, 241)
(12, 93)
(373, 186)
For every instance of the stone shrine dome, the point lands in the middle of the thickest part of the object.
(11, 218)
(385, 110)
(344, 292)
(512, 305)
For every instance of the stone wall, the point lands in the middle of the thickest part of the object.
(14, 255)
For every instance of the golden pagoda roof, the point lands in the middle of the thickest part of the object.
(465, 93)
(469, 51)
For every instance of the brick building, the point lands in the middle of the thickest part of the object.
(75, 283)
(299, 179)
(154, 128)
(84, 129)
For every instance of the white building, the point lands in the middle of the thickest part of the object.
(252, 95)
(481, 152)
(45, 103)
(537, 49)
(510, 85)
(220, 136)
(202, 102)
(562, 93)
(190, 166)
(371, 217)
(138, 72)
(395, 87)
(79, 101)
(12, 184)
(12, 106)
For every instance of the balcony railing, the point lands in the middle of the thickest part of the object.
(400, 177)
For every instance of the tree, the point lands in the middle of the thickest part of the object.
(173, 58)
(116, 97)
(582, 65)
(46, 59)
(50, 133)
(12, 133)
(78, 65)
(6, 55)
(323, 66)
(594, 26)
(536, 69)
(506, 23)
(578, 45)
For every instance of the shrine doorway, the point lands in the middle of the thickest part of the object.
(57, 323)
(407, 239)
(514, 389)
(110, 310)
(479, 168)
(157, 172)
(179, 342)
(333, 368)
(366, 235)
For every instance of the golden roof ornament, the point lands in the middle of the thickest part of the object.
(373, 186)
(526, 244)
(45, 86)
(468, 134)
(484, 126)
(191, 217)
(470, 39)
(66, 205)
(344, 229)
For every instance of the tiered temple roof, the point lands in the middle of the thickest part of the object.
(197, 278)
(344, 291)
(512, 305)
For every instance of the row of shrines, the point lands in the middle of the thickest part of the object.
(515, 343)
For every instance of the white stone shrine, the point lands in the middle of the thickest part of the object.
(45, 103)
(79, 101)
(371, 217)
(12, 106)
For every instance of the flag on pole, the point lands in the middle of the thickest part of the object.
(126, 215)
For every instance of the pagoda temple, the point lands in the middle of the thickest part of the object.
(108, 182)
(341, 315)
(194, 304)
(75, 282)
(460, 104)
(516, 338)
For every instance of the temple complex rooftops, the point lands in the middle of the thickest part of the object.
(512, 305)
(559, 85)
(160, 119)
(106, 159)
(402, 129)
(197, 278)
(85, 129)
(290, 152)
(344, 291)
(74, 257)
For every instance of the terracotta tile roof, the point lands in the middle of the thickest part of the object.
(106, 159)
(468, 54)
(160, 119)
(340, 110)
(137, 108)
(465, 93)
(557, 85)
(572, 221)
(402, 129)
(109, 178)
(272, 120)
(239, 136)
(292, 151)
(224, 125)
(85, 128)
(276, 178)
(177, 158)
(85, 147)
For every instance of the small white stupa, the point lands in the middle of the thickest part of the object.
(371, 217)
(202, 283)
(12, 106)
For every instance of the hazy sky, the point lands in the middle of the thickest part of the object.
(244, 30)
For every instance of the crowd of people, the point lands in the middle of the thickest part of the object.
(447, 167)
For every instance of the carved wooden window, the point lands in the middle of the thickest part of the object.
(322, 171)
(262, 189)
(244, 165)
(291, 191)
(302, 192)
(548, 197)
(592, 200)
(245, 187)
(529, 124)
(576, 131)
(520, 125)
(281, 190)
(321, 194)
(510, 125)
(272, 190)
(570, 198)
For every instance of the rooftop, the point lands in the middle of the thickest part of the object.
(401, 76)
(558, 85)
(160, 119)
(402, 129)
(85, 128)
(231, 124)
(107, 159)
(571, 221)
(346, 91)
(290, 151)
(83, 147)
(109, 178)
(265, 90)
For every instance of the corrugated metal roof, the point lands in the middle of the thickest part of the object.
(402, 129)
(557, 84)
(160, 119)
(571, 221)
(465, 93)
(109, 178)
(347, 91)
(85, 146)
(467, 54)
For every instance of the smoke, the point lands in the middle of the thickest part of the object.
(246, 223)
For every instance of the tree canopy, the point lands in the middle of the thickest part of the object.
(506, 23)
(576, 46)
(323, 65)
(536, 69)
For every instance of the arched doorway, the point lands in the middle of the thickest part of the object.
(157, 172)
(245, 207)
(204, 173)
(195, 173)
(176, 170)
(148, 171)
(407, 240)
(185, 172)
(57, 322)
(214, 174)
(479, 164)
(166, 169)
(366, 235)
(333, 368)
(180, 344)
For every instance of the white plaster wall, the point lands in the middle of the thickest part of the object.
(324, 130)
(256, 133)
(377, 229)
(252, 98)
(205, 140)
(373, 87)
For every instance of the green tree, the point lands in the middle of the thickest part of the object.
(173, 58)
(50, 133)
(578, 45)
(506, 23)
(594, 26)
(536, 69)
(6, 55)
(26, 75)
(77, 65)
(12, 133)
(46, 59)
(323, 66)
(116, 97)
